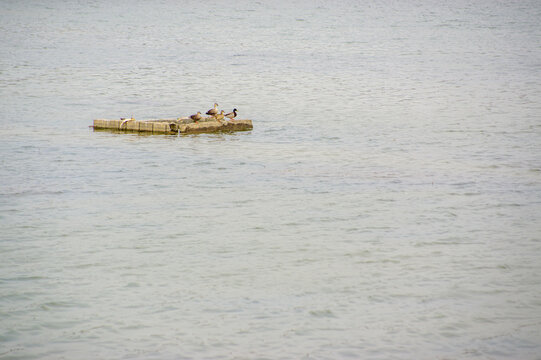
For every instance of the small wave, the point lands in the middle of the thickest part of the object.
(322, 313)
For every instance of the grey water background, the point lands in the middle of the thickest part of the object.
(385, 206)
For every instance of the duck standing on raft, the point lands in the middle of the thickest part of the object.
(232, 114)
(219, 116)
(213, 111)
(196, 117)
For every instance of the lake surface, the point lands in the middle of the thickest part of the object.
(386, 204)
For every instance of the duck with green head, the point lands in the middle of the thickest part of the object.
(231, 115)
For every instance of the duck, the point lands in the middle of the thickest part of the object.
(219, 116)
(232, 114)
(213, 111)
(196, 117)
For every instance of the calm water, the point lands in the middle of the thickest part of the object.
(385, 206)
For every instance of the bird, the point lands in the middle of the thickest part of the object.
(124, 120)
(232, 114)
(213, 111)
(196, 117)
(219, 116)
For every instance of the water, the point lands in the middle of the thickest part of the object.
(385, 206)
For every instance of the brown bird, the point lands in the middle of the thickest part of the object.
(219, 116)
(232, 114)
(213, 111)
(196, 117)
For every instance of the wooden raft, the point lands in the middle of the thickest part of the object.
(173, 126)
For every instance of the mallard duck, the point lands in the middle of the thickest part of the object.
(232, 114)
(219, 116)
(213, 111)
(196, 117)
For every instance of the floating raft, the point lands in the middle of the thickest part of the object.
(173, 126)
